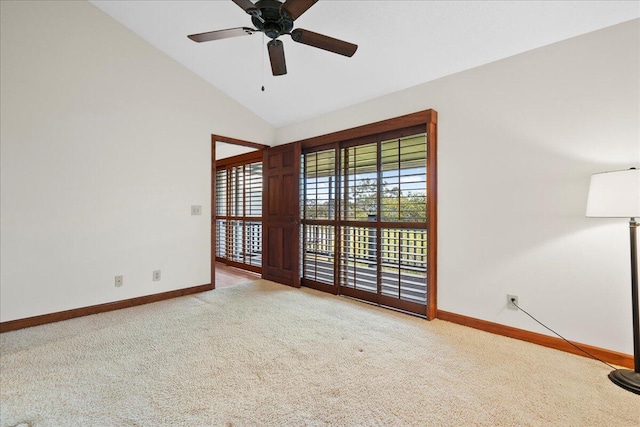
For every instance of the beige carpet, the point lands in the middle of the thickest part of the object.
(264, 354)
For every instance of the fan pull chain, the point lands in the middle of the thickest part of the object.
(262, 48)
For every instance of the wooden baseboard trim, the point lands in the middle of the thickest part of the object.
(608, 356)
(28, 322)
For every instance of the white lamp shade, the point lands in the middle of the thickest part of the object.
(614, 194)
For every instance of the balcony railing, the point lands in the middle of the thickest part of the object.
(239, 241)
(401, 266)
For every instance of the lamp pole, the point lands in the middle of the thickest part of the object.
(625, 378)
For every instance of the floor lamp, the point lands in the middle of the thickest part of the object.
(617, 195)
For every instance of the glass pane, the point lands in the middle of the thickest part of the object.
(359, 182)
(236, 191)
(404, 264)
(253, 243)
(404, 179)
(253, 183)
(318, 255)
(221, 192)
(358, 259)
(221, 232)
(319, 185)
(235, 241)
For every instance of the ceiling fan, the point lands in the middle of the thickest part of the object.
(274, 19)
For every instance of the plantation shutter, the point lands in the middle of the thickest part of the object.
(239, 214)
(221, 213)
(403, 250)
(253, 213)
(319, 204)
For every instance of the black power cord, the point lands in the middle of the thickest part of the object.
(513, 301)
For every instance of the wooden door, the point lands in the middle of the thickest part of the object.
(281, 214)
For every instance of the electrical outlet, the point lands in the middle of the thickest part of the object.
(510, 301)
(119, 281)
(196, 210)
(156, 275)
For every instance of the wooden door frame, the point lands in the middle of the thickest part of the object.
(428, 119)
(232, 141)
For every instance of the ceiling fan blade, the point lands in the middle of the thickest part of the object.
(298, 7)
(276, 55)
(323, 42)
(246, 5)
(221, 34)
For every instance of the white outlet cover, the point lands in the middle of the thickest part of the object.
(196, 210)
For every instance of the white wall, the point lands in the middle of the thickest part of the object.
(518, 140)
(105, 144)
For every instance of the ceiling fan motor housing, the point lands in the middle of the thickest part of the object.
(277, 20)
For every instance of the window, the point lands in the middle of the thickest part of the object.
(238, 192)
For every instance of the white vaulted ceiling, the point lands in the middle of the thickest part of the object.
(401, 44)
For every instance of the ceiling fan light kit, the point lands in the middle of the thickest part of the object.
(274, 19)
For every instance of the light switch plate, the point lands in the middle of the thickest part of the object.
(196, 210)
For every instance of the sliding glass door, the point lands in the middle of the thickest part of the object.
(365, 220)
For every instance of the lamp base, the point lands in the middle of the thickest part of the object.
(627, 379)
